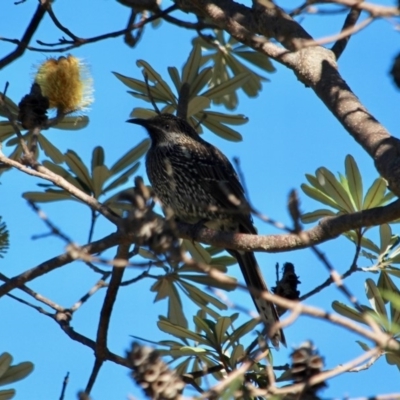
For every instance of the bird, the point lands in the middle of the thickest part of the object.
(199, 184)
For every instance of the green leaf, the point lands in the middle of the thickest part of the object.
(174, 74)
(227, 87)
(145, 113)
(76, 165)
(200, 81)
(316, 215)
(130, 157)
(375, 194)
(40, 197)
(7, 394)
(243, 330)
(50, 150)
(230, 119)
(256, 58)
(334, 189)
(197, 251)
(154, 76)
(122, 178)
(365, 242)
(237, 355)
(191, 67)
(348, 312)
(179, 331)
(73, 123)
(209, 281)
(374, 297)
(203, 326)
(12, 107)
(354, 181)
(175, 312)
(221, 130)
(6, 130)
(363, 345)
(5, 362)
(98, 157)
(202, 296)
(16, 373)
(319, 196)
(100, 174)
(197, 104)
(221, 328)
(385, 233)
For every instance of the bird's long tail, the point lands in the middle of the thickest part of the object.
(254, 279)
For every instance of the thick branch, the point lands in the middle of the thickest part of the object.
(313, 65)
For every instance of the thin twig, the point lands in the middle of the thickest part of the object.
(64, 386)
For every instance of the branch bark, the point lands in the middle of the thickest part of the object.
(315, 66)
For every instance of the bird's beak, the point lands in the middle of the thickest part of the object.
(139, 121)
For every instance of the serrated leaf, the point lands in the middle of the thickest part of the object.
(7, 394)
(72, 123)
(200, 81)
(191, 67)
(40, 197)
(256, 58)
(130, 157)
(5, 362)
(385, 233)
(221, 327)
(227, 87)
(179, 331)
(316, 215)
(174, 74)
(375, 194)
(348, 312)
(197, 104)
(354, 180)
(319, 196)
(374, 297)
(100, 174)
(98, 157)
(16, 373)
(221, 130)
(76, 165)
(50, 150)
(334, 189)
(154, 76)
(122, 178)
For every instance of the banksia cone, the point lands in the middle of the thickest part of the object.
(66, 82)
(306, 362)
(153, 375)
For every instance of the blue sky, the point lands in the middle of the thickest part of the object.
(289, 133)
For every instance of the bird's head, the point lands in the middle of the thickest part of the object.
(166, 128)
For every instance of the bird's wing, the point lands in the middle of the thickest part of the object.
(217, 176)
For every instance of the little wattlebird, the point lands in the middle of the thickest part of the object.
(199, 184)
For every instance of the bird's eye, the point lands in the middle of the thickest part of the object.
(166, 127)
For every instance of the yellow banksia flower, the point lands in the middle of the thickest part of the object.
(66, 82)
